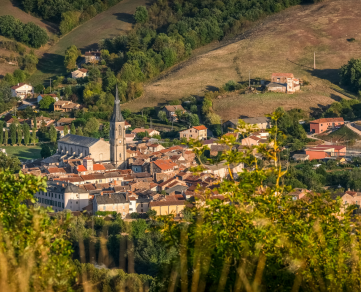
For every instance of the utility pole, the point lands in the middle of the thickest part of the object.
(314, 60)
(50, 84)
(249, 79)
(150, 126)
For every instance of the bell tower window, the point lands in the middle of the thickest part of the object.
(120, 130)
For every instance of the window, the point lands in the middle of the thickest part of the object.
(52, 194)
(103, 208)
(120, 130)
(62, 205)
(55, 196)
(77, 202)
(59, 204)
(141, 204)
(123, 207)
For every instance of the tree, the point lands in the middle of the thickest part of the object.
(72, 129)
(45, 151)
(194, 109)
(141, 14)
(162, 116)
(65, 130)
(94, 74)
(79, 131)
(193, 119)
(71, 55)
(26, 131)
(9, 163)
(39, 88)
(6, 137)
(53, 134)
(126, 113)
(33, 136)
(46, 102)
(19, 134)
(35, 123)
(91, 126)
(13, 131)
(1, 133)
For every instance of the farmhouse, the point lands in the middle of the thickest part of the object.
(22, 90)
(196, 133)
(325, 151)
(284, 82)
(324, 124)
(92, 56)
(80, 73)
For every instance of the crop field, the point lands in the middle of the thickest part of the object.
(113, 22)
(284, 42)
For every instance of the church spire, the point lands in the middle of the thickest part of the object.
(117, 115)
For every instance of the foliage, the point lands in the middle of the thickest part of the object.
(231, 86)
(26, 132)
(45, 151)
(350, 74)
(28, 33)
(71, 55)
(141, 14)
(13, 132)
(91, 126)
(46, 102)
(53, 134)
(9, 163)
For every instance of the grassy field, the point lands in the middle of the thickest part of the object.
(23, 152)
(342, 135)
(113, 22)
(284, 42)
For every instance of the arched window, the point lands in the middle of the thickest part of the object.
(120, 130)
(78, 151)
(71, 150)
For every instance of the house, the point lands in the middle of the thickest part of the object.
(92, 56)
(41, 96)
(284, 82)
(325, 151)
(64, 121)
(255, 139)
(127, 125)
(41, 120)
(80, 73)
(142, 205)
(139, 165)
(151, 132)
(196, 133)
(222, 170)
(155, 147)
(62, 196)
(259, 123)
(60, 129)
(324, 124)
(298, 193)
(162, 166)
(129, 138)
(170, 110)
(168, 207)
(65, 106)
(22, 90)
(113, 202)
(300, 157)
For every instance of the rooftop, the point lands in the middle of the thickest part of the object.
(78, 140)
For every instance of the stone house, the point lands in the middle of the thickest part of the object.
(162, 166)
(170, 111)
(196, 133)
(289, 83)
(111, 202)
(65, 106)
(80, 73)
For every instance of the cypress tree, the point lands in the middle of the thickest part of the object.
(53, 134)
(20, 134)
(1, 133)
(26, 131)
(35, 123)
(79, 132)
(33, 136)
(66, 131)
(72, 129)
(13, 131)
(6, 137)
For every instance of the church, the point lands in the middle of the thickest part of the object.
(78, 147)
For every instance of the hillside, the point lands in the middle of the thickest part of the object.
(110, 23)
(284, 42)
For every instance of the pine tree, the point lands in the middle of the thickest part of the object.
(33, 136)
(1, 133)
(20, 134)
(79, 132)
(13, 131)
(72, 129)
(26, 131)
(6, 137)
(53, 134)
(66, 131)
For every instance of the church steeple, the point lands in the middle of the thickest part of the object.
(117, 114)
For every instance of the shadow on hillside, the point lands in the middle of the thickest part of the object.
(212, 88)
(336, 97)
(126, 17)
(92, 47)
(301, 65)
(327, 74)
(51, 63)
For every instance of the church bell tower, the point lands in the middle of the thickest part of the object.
(118, 145)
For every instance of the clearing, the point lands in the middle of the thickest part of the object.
(284, 42)
(110, 23)
(23, 152)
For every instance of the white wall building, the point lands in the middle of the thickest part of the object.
(22, 90)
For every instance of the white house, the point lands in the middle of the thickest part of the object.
(40, 96)
(80, 73)
(22, 90)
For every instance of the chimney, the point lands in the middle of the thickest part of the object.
(101, 193)
(110, 196)
(348, 189)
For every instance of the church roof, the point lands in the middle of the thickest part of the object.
(117, 115)
(78, 140)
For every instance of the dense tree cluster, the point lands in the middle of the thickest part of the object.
(27, 33)
(67, 12)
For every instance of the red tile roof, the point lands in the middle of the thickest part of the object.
(201, 127)
(81, 168)
(288, 75)
(327, 120)
(165, 164)
(98, 167)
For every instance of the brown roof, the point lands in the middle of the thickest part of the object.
(327, 120)
(19, 85)
(83, 70)
(165, 164)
